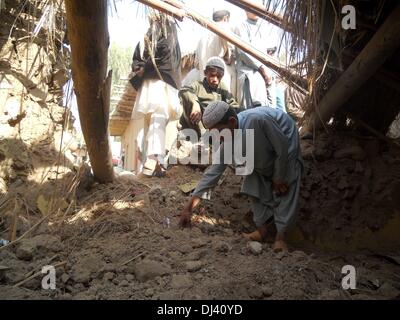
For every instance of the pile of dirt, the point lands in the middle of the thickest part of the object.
(350, 182)
(122, 241)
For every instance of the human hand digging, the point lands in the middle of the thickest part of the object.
(280, 187)
(186, 215)
(185, 220)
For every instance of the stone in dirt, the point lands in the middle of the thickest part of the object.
(255, 247)
(83, 270)
(222, 247)
(149, 269)
(193, 266)
(267, 291)
(26, 250)
(129, 277)
(181, 281)
(124, 283)
(48, 242)
(255, 293)
(149, 292)
(108, 276)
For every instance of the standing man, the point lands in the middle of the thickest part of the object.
(256, 83)
(274, 184)
(157, 79)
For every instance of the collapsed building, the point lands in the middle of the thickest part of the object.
(344, 93)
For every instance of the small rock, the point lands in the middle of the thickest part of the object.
(129, 277)
(181, 281)
(185, 248)
(48, 242)
(222, 247)
(173, 193)
(26, 250)
(64, 278)
(115, 281)
(198, 276)
(198, 243)
(79, 286)
(193, 266)
(149, 269)
(228, 232)
(124, 283)
(108, 276)
(255, 293)
(149, 292)
(87, 266)
(196, 255)
(267, 291)
(255, 247)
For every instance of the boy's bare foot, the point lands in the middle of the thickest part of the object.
(280, 246)
(253, 236)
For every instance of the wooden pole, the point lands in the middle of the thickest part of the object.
(89, 39)
(269, 61)
(261, 12)
(165, 7)
(382, 45)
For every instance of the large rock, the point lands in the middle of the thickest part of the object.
(26, 250)
(149, 269)
(48, 242)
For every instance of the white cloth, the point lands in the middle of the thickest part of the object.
(157, 96)
(156, 104)
(211, 45)
(249, 79)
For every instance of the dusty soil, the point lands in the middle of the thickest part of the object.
(117, 244)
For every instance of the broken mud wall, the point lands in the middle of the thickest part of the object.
(34, 67)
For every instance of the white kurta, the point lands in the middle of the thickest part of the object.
(156, 104)
(251, 86)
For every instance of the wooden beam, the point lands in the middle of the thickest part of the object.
(167, 8)
(89, 39)
(382, 46)
(271, 62)
(261, 12)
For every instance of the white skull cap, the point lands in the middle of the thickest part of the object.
(214, 113)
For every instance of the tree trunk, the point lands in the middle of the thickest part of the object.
(88, 36)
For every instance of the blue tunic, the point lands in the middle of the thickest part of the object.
(277, 157)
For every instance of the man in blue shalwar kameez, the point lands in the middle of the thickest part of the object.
(274, 184)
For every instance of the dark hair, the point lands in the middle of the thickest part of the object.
(229, 114)
(220, 14)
